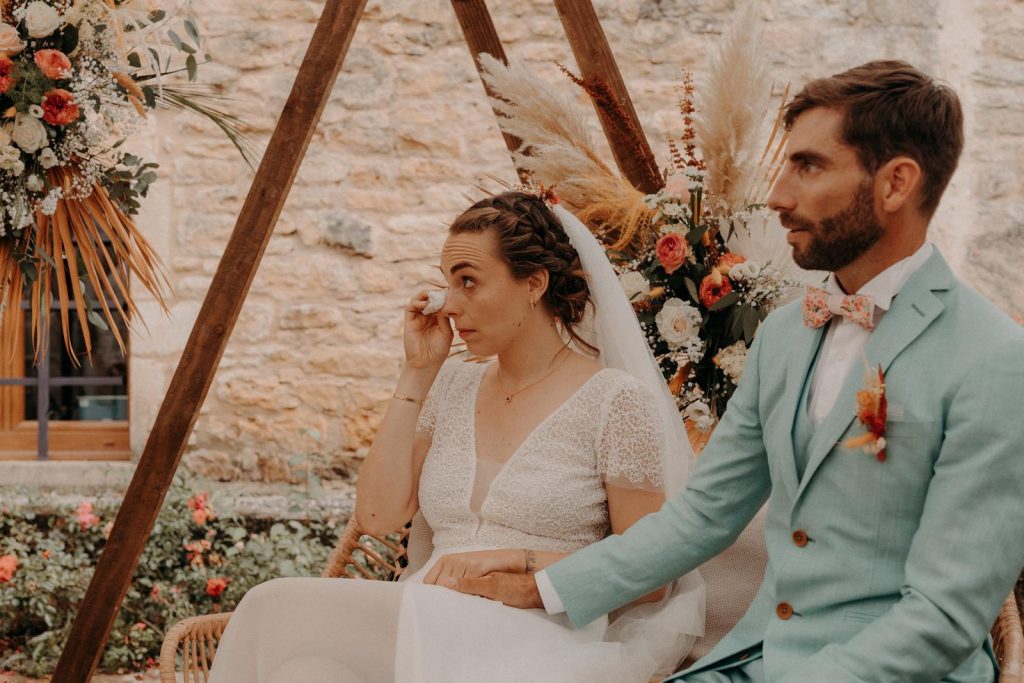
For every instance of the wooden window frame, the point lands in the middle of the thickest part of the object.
(106, 440)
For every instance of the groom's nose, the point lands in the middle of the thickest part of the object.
(781, 198)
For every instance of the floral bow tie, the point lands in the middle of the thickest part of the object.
(820, 307)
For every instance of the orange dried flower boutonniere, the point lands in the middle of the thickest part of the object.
(871, 411)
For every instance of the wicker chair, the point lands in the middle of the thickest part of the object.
(358, 555)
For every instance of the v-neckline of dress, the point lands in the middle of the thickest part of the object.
(474, 452)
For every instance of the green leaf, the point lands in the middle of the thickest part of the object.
(191, 66)
(156, 15)
(750, 323)
(191, 30)
(134, 60)
(691, 288)
(726, 301)
(175, 39)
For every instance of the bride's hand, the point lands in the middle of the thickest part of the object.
(475, 564)
(428, 338)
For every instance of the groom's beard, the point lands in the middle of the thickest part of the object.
(839, 239)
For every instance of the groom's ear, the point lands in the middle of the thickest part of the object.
(900, 182)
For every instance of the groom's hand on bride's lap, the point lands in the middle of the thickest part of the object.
(514, 590)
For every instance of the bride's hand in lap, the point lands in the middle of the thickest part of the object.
(428, 338)
(475, 564)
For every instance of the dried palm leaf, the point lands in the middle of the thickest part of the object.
(732, 101)
(86, 251)
(558, 151)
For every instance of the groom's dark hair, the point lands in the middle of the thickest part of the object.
(891, 109)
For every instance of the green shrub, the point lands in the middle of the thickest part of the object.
(199, 559)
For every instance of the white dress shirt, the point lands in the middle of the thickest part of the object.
(843, 345)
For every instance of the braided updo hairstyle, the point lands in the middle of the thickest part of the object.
(530, 238)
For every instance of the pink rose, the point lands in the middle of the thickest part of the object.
(53, 63)
(678, 186)
(10, 42)
(59, 108)
(671, 251)
(6, 75)
(8, 565)
(86, 519)
(714, 287)
(216, 586)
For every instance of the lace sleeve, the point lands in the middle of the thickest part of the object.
(631, 441)
(435, 397)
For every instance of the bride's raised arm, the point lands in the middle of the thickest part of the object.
(386, 492)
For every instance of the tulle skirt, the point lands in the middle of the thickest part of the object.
(319, 630)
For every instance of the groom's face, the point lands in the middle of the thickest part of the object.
(824, 196)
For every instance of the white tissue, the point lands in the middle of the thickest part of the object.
(435, 301)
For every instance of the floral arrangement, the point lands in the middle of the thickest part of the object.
(193, 564)
(77, 78)
(872, 412)
(702, 259)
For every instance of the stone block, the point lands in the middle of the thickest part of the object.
(348, 231)
(215, 465)
(304, 316)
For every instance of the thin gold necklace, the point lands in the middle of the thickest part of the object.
(509, 397)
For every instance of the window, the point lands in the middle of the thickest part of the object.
(59, 410)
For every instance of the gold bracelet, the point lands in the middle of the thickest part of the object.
(531, 561)
(410, 399)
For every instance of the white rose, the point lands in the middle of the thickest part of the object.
(10, 42)
(732, 360)
(8, 155)
(47, 159)
(742, 272)
(699, 413)
(34, 183)
(634, 284)
(28, 133)
(41, 20)
(678, 322)
(17, 168)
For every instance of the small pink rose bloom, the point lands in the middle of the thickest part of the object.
(8, 565)
(54, 64)
(671, 251)
(86, 519)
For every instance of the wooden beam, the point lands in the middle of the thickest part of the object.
(217, 317)
(597, 63)
(482, 38)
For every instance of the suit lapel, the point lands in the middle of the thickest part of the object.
(804, 349)
(912, 311)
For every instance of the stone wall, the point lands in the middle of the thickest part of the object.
(406, 137)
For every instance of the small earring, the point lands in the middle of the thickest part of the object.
(533, 304)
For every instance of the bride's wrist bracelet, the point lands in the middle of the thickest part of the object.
(529, 562)
(410, 399)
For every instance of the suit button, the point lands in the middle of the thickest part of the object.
(784, 611)
(800, 538)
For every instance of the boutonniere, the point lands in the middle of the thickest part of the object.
(871, 411)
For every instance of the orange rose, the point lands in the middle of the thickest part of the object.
(671, 251)
(216, 586)
(59, 108)
(8, 565)
(714, 287)
(728, 260)
(6, 77)
(53, 63)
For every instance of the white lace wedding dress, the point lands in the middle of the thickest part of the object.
(549, 495)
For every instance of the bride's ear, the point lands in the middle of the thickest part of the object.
(538, 283)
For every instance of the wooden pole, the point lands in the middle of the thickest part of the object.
(482, 38)
(217, 317)
(597, 63)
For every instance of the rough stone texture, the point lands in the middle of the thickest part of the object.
(408, 134)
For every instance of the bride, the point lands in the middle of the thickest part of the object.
(568, 435)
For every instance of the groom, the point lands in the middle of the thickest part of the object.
(888, 560)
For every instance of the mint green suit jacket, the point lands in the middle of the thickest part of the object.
(908, 560)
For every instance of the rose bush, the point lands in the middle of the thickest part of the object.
(187, 568)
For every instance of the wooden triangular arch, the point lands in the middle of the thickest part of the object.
(237, 268)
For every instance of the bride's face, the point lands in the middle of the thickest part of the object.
(488, 306)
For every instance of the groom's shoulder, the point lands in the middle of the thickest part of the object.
(978, 321)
